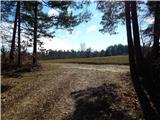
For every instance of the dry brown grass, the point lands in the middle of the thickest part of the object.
(118, 60)
(47, 93)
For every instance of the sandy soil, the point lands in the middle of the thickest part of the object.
(66, 91)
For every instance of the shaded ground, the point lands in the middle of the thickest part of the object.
(71, 92)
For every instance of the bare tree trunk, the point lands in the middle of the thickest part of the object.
(19, 36)
(156, 30)
(141, 68)
(35, 35)
(149, 113)
(138, 51)
(129, 38)
(13, 37)
(153, 82)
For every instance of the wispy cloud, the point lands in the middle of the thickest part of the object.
(58, 44)
(95, 15)
(78, 32)
(91, 28)
(53, 12)
(149, 20)
(73, 35)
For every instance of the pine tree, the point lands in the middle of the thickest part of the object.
(65, 20)
(14, 35)
(19, 34)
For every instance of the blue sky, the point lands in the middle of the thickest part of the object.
(87, 33)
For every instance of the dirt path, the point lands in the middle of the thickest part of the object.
(71, 92)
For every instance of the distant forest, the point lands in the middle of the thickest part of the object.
(110, 51)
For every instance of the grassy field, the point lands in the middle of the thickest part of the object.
(69, 91)
(119, 60)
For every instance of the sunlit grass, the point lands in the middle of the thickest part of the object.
(119, 60)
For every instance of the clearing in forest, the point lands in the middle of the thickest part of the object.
(67, 91)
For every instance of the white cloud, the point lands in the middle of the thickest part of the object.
(149, 20)
(6, 31)
(78, 32)
(95, 15)
(53, 12)
(91, 28)
(73, 35)
(58, 44)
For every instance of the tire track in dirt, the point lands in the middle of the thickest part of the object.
(79, 80)
(50, 99)
(15, 97)
(23, 86)
(49, 106)
(101, 68)
(35, 104)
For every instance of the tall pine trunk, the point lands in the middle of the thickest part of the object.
(14, 36)
(138, 51)
(19, 35)
(156, 30)
(149, 113)
(153, 82)
(129, 38)
(35, 35)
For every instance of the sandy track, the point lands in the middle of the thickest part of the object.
(48, 96)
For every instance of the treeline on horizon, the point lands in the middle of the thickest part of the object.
(60, 54)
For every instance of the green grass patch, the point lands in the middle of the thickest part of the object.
(119, 60)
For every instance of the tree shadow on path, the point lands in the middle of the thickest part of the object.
(98, 103)
(4, 88)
